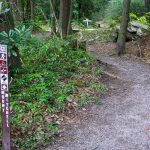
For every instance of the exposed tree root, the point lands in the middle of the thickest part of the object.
(115, 76)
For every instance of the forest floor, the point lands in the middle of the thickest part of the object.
(122, 122)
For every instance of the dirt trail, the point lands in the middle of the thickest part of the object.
(123, 121)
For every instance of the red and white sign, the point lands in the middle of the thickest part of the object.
(4, 90)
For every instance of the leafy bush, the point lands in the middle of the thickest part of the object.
(143, 19)
(54, 64)
(3, 6)
(42, 87)
(15, 38)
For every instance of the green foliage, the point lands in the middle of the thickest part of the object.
(15, 38)
(138, 7)
(3, 6)
(41, 87)
(97, 70)
(142, 19)
(101, 87)
(75, 10)
(85, 8)
(99, 7)
(147, 15)
(43, 82)
(29, 127)
(133, 16)
(114, 8)
(111, 22)
(93, 9)
(84, 99)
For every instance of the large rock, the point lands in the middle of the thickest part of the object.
(140, 32)
(132, 29)
(139, 25)
(135, 30)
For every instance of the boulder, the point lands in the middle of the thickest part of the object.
(139, 25)
(132, 29)
(140, 32)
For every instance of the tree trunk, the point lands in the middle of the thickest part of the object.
(6, 21)
(28, 10)
(53, 15)
(65, 17)
(19, 6)
(70, 11)
(123, 29)
(32, 10)
(6, 24)
(79, 9)
(15, 61)
(147, 4)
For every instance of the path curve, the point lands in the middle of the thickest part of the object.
(123, 121)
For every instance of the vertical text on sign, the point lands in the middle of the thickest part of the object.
(4, 97)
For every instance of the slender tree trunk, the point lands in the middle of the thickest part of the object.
(65, 17)
(53, 15)
(80, 10)
(23, 10)
(11, 4)
(147, 4)
(20, 9)
(32, 10)
(70, 12)
(28, 10)
(123, 29)
(7, 21)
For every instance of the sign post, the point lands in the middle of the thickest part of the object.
(4, 97)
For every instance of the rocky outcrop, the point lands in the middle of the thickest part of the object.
(135, 30)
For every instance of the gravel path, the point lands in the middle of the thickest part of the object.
(123, 121)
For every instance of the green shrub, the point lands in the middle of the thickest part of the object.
(41, 87)
(15, 38)
(143, 19)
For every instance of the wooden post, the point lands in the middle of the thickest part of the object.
(4, 97)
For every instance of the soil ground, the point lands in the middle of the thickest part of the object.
(122, 122)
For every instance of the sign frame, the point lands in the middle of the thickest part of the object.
(4, 98)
